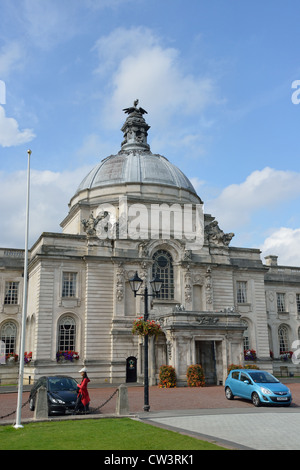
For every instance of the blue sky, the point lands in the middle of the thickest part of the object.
(214, 75)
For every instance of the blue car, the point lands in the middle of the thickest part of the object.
(259, 386)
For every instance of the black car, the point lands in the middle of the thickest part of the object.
(61, 391)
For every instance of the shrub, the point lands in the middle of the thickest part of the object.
(234, 366)
(167, 377)
(251, 366)
(239, 366)
(195, 376)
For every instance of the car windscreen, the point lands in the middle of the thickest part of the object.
(57, 384)
(263, 377)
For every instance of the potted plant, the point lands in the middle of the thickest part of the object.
(195, 376)
(167, 377)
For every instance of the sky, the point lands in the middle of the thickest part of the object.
(220, 80)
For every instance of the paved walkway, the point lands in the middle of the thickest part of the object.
(203, 413)
(260, 429)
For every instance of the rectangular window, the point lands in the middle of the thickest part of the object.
(246, 342)
(298, 302)
(280, 302)
(241, 292)
(11, 293)
(69, 284)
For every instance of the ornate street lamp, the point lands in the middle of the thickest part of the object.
(135, 284)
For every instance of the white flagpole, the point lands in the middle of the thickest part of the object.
(24, 310)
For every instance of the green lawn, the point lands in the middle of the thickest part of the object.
(97, 434)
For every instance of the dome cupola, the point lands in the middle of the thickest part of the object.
(134, 172)
(135, 163)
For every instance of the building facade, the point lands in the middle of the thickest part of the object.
(136, 211)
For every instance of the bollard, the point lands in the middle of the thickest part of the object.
(41, 404)
(122, 406)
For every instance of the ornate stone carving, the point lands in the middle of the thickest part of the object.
(90, 224)
(208, 320)
(216, 236)
(179, 308)
(135, 128)
(169, 349)
(208, 288)
(143, 249)
(188, 285)
(120, 282)
(187, 256)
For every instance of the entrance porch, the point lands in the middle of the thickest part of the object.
(212, 339)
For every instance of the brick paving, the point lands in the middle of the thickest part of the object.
(182, 398)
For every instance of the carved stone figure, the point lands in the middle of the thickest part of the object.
(216, 236)
(90, 224)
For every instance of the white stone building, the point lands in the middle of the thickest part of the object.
(135, 211)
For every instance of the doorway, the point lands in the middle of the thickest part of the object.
(206, 356)
(131, 375)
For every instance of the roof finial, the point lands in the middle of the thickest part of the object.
(135, 129)
(134, 108)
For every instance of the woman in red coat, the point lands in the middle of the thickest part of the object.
(82, 389)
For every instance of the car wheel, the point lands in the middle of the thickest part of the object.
(255, 399)
(31, 404)
(228, 394)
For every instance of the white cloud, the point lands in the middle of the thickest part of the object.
(50, 193)
(262, 189)
(284, 243)
(143, 68)
(10, 134)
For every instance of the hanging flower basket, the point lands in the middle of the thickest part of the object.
(149, 327)
(63, 356)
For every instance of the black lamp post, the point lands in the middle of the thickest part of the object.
(135, 284)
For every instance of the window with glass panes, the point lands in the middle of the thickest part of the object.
(8, 335)
(298, 302)
(280, 302)
(163, 267)
(283, 339)
(241, 291)
(11, 293)
(69, 284)
(66, 334)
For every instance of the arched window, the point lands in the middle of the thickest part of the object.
(66, 334)
(246, 340)
(8, 335)
(283, 339)
(163, 266)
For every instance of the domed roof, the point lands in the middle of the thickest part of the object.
(135, 163)
(135, 167)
